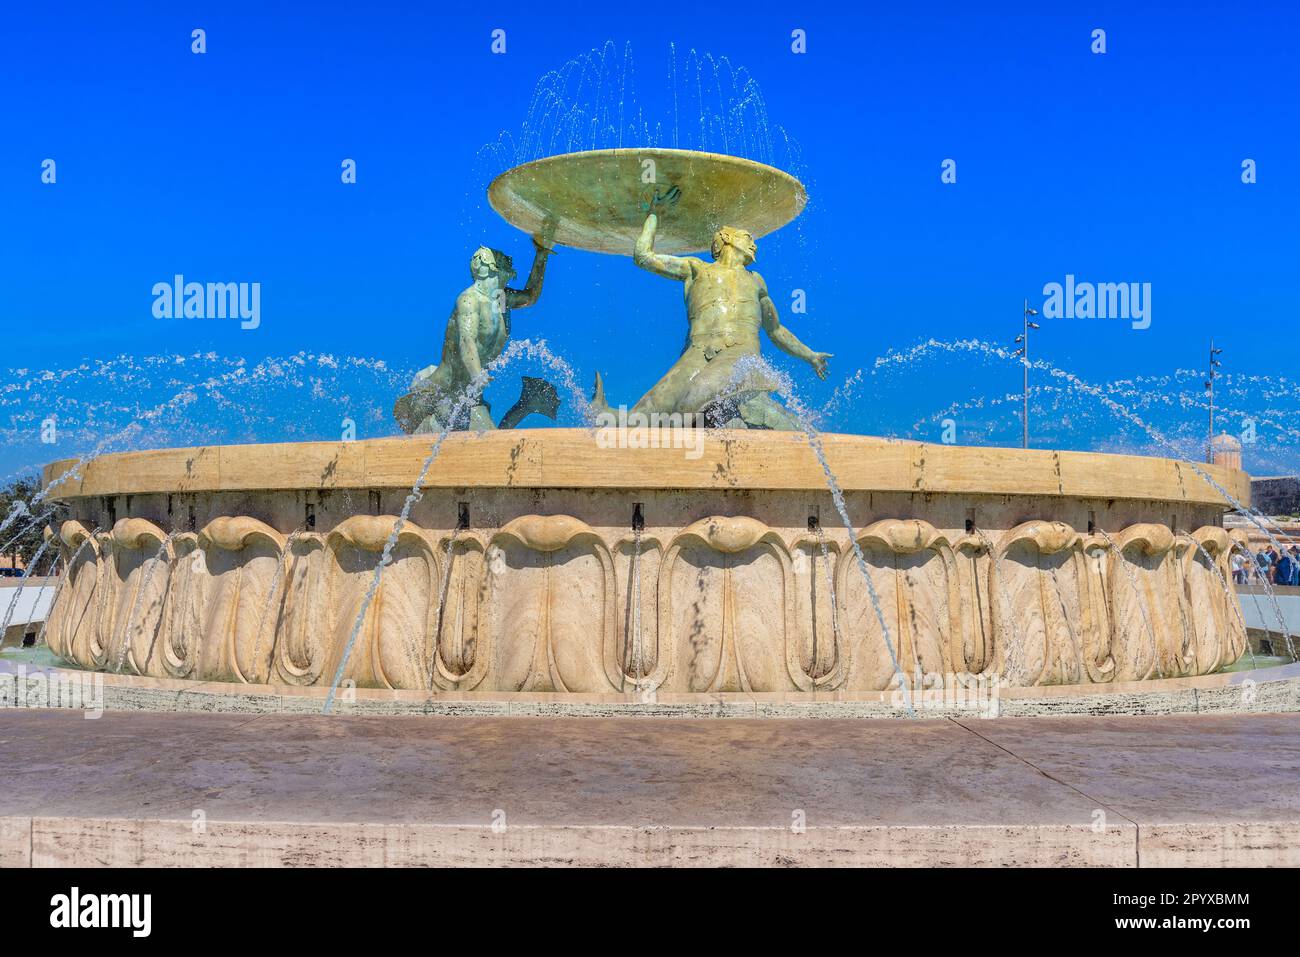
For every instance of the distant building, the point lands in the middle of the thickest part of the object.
(1276, 494)
(1225, 450)
(1278, 497)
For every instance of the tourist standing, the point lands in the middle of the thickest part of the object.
(1264, 565)
(1284, 569)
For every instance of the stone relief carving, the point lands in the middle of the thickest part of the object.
(392, 644)
(724, 611)
(914, 576)
(547, 603)
(73, 624)
(1045, 584)
(550, 606)
(139, 571)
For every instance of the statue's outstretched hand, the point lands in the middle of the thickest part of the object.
(544, 239)
(660, 200)
(818, 361)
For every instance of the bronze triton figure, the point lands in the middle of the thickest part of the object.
(726, 305)
(477, 331)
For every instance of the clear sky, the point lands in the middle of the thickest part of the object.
(225, 166)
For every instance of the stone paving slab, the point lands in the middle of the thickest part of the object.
(197, 788)
(1240, 779)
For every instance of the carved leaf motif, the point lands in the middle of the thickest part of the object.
(1219, 636)
(182, 640)
(1063, 617)
(551, 600)
(725, 606)
(518, 600)
(925, 613)
(237, 597)
(75, 616)
(576, 593)
(870, 668)
(139, 576)
(303, 623)
(637, 656)
(814, 617)
(975, 610)
(401, 616)
(457, 611)
(349, 580)
(699, 623)
(757, 585)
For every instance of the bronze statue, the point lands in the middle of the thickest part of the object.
(580, 199)
(726, 305)
(477, 331)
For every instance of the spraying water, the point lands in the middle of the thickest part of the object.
(22, 582)
(467, 398)
(591, 102)
(1253, 559)
(976, 346)
(20, 508)
(751, 365)
(63, 580)
(279, 398)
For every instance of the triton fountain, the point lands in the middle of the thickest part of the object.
(472, 559)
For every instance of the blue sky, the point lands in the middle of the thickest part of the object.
(225, 167)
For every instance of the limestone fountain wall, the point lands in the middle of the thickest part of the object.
(587, 578)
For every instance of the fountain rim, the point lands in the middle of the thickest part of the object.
(730, 460)
(729, 158)
(497, 199)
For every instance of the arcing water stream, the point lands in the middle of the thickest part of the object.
(467, 398)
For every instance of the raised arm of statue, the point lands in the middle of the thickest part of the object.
(467, 333)
(532, 291)
(783, 338)
(670, 267)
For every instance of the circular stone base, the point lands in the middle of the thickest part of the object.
(556, 562)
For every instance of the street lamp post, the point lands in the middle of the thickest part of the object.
(1022, 340)
(1209, 387)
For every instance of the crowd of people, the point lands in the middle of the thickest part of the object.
(1279, 568)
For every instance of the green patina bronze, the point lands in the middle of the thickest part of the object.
(646, 203)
